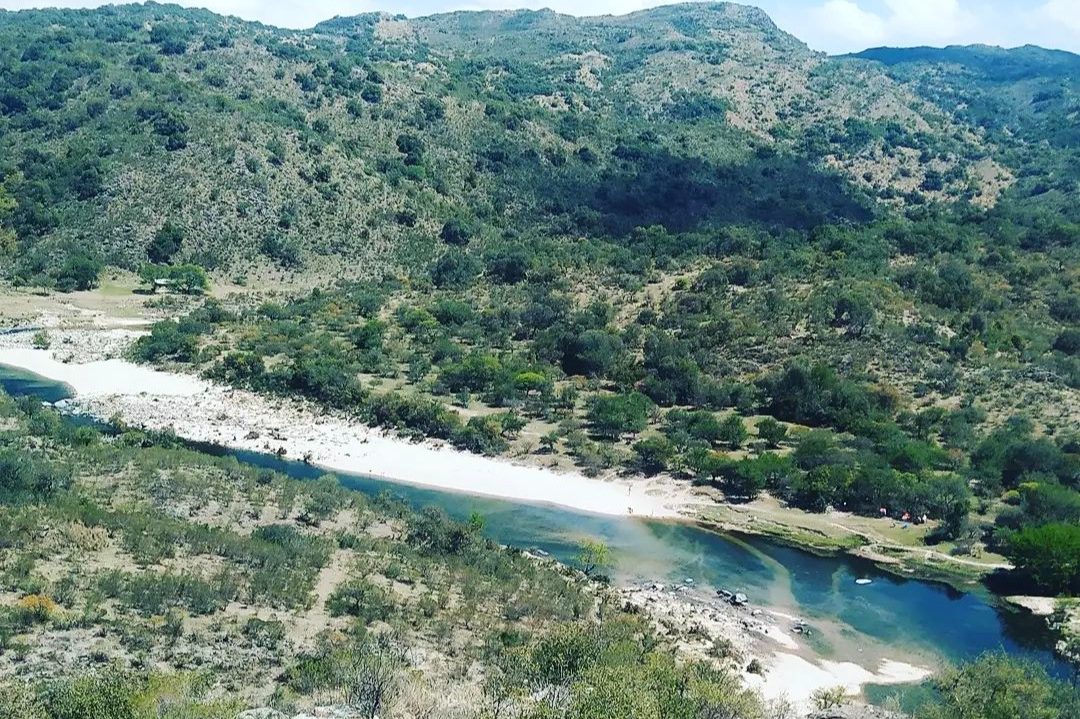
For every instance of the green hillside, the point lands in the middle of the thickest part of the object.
(544, 235)
(675, 243)
(346, 149)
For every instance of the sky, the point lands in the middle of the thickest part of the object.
(831, 25)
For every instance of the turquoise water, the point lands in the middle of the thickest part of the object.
(904, 619)
(17, 382)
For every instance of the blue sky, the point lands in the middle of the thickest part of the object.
(830, 25)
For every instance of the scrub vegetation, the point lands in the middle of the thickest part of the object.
(144, 579)
(672, 243)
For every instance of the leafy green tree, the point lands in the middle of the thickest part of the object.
(454, 270)
(189, 279)
(456, 231)
(166, 243)
(704, 462)
(508, 264)
(998, 687)
(1049, 555)
(1068, 342)
(78, 272)
(612, 416)
(733, 431)
(7, 235)
(512, 423)
(412, 147)
(771, 432)
(167, 340)
(652, 455)
(593, 554)
(820, 487)
(549, 441)
(594, 353)
(699, 425)
(744, 479)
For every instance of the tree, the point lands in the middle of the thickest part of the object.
(593, 353)
(412, 147)
(653, 455)
(78, 272)
(704, 462)
(508, 265)
(455, 231)
(549, 441)
(184, 279)
(454, 270)
(1049, 556)
(512, 423)
(7, 236)
(1068, 342)
(167, 242)
(744, 479)
(593, 554)
(371, 677)
(167, 340)
(612, 416)
(733, 431)
(996, 686)
(820, 487)
(189, 279)
(771, 432)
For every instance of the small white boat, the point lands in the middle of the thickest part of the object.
(863, 582)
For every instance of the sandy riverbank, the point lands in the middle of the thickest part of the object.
(790, 671)
(207, 412)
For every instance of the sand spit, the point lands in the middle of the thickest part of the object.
(207, 412)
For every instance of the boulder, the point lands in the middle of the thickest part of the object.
(263, 713)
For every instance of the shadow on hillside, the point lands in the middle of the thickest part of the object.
(651, 186)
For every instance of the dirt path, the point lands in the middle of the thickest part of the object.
(304, 628)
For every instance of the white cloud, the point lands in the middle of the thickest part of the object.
(838, 26)
(929, 20)
(843, 21)
(1065, 13)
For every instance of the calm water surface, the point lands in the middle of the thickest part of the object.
(900, 618)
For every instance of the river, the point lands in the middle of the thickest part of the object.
(901, 618)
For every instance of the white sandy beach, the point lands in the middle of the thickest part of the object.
(796, 678)
(206, 412)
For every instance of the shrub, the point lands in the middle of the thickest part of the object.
(26, 478)
(771, 432)
(361, 599)
(168, 339)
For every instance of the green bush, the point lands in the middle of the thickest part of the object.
(361, 599)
